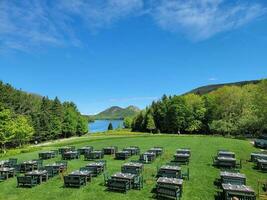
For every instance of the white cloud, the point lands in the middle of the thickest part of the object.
(132, 99)
(30, 24)
(201, 19)
(33, 23)
(212, 79)
(96, 14)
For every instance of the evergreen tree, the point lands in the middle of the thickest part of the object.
(49, 118)
(70, 121)
(82, 125)
(176, 115)
(110, 126)
(150, 124)
(45, 119)
(56, 118)
(139, 123)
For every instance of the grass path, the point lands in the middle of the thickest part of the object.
(199, 187)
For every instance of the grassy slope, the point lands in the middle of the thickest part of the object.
(200, 186)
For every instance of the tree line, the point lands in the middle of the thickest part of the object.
(230, 110)
(28, 117)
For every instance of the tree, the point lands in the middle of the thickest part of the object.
(49, 118)
(176, 115)
(6, 127)
(82, 125)
(70, 120)
(222, 127)
(45, 119)
(138, 123)
(56, 118)
(229, 103)
(110, 126)
(196, 112)
(159, 112)
(22, 130)
(127, 122)
(260, 103)
(150, 124)
(249, 121)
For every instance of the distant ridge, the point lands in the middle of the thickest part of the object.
(209, 88)
(116, 112)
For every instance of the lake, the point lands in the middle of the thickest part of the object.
(102, 125)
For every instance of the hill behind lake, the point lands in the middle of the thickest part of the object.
(116, 112)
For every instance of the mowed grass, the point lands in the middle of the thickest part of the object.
(199, 187)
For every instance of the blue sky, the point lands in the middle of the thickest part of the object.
(129, 52)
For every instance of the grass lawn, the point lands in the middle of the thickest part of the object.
(199, 187)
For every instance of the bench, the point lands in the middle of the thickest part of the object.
(168, 193)
(139, 183)
(39, 163)
(26, 181)
(11, 162)
(233, 181)
(122, 185)
(74, 181)
(260, 143)
(95, 170)
(2, 178)
(94, 155)
(51, 171)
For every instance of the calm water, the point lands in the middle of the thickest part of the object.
(102, 125)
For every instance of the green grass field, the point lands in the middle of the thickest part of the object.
(199, 187)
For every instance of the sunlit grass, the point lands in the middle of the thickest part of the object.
(199, 187)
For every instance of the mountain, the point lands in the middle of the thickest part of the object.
(209, 88)
(116, 112)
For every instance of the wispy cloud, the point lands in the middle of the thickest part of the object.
(201, 19)
(96, 14)
(213, 79)
(34, 23)
(128, 99)
(30, 24)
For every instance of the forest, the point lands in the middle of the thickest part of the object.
(230, 110)
(26, 117)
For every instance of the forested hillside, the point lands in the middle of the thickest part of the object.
(116, 112)
(209, 88)
(28, 117)
(229, 110)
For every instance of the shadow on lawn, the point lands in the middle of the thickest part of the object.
(217, 183)
(218, 196)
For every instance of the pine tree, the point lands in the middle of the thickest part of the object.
(45, 119)
(110, 126)
(70, 121)
(150, 124)
(56, 118)
(48, 117)
(82, 125)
